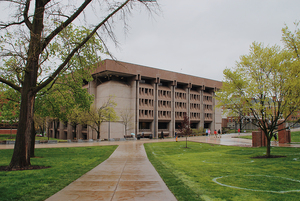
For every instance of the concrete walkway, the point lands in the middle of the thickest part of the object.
(126, 175)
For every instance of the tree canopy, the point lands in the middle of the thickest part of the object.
(264, 84)
(95, 116)
(38, 44)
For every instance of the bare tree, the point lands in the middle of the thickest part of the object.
(185, 128)
(126, 117)
(29, 44)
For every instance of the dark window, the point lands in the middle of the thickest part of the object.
(163, 125)
(194, 125)
(144, 125)
(177, 125)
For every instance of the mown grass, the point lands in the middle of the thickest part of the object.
(189, 172)
(295, 136)
(5, 137)
(67, 164)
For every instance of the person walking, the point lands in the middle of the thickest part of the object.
(275, 137)
(219, 133)
(215, 133)
(208, 132)
(162, 135)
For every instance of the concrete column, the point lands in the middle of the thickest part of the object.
(172, 123)
(92, 89)
(69, 132)
(155, 115)
(137, 110)
(79, 131)
(61, 130)
(202, 112)
(213, 123)
(188, 98)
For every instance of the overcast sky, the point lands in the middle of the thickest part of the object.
(203, 37)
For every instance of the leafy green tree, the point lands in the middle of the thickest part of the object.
(31, 62)
(95, 116)
(264, 83)
(40, 124)
(76, 117)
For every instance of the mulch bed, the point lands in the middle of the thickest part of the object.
(32, 167)
(272, 156)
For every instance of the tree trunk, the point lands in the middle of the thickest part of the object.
(54, 129)
(186, 142)
(98, 132)
(268, 148)
(32, 136)
(75, 131)
(21, 156)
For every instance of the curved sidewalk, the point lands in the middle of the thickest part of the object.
(126, 175)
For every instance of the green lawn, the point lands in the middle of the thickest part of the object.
(5, 137)
(215, 172)
(67, 164)
(295, 136)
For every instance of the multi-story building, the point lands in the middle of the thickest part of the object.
(156, 100)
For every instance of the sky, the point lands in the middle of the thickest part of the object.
(202, 37)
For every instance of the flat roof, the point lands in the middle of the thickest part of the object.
(127, 69)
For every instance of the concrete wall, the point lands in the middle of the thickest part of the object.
(218, 116)
(124, 96)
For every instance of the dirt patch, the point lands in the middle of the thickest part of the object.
(272, 156)
(32, 167)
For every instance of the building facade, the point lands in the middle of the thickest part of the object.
(154, 100)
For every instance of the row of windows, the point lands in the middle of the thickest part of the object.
(181, 105)
(208, 107)
(164, 114)
(167, 94)
(179, 115)
(194, 97)
(146, 102)
(207, 98)
(195, 106)
(208, 116)
(194, 115)
(164, 93)
(180, 95)
(166, 104)
(146, 113)
(146, 91)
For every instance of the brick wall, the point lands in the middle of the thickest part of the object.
(7, 131)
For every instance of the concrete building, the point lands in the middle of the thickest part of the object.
(155, 100)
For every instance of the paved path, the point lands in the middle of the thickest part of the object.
(126, 175)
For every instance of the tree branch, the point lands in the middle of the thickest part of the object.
(9, 83)
(64, 24)
(80, 45)
(25, 14)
